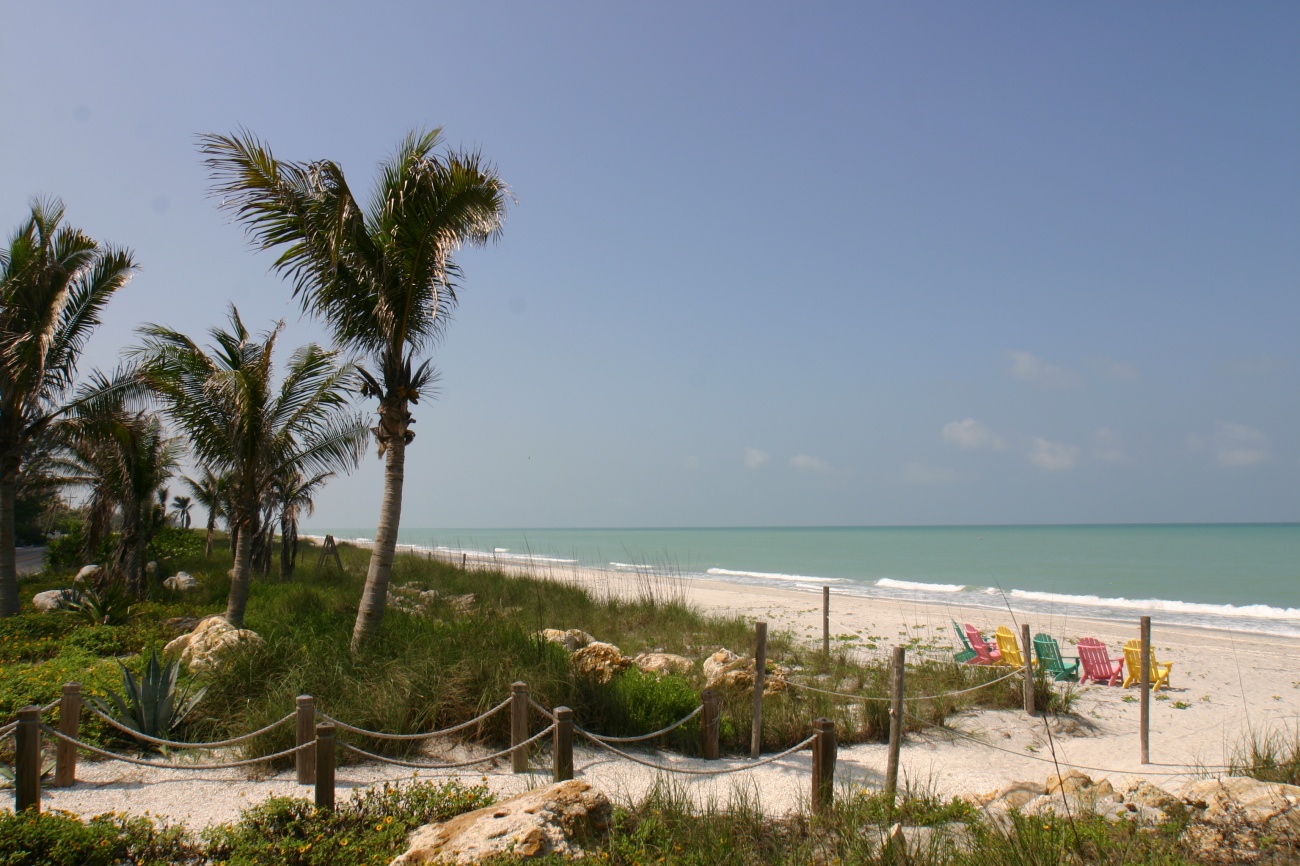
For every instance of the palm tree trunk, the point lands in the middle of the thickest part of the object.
(374, 598)
(286, 543)
(239, 576)
(212, 530)
(10, 603)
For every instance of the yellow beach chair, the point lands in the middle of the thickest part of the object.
(1010, 648)
(1133, 665)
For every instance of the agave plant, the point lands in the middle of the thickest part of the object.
(108, 605)
(154, 704)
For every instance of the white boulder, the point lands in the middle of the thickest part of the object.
(203, 649)
(181, 581)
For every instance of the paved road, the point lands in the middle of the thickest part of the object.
(30, 559)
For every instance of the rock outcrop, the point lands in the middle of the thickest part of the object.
(89, 574)
(181, 581)
(726, 670)
(572, 640)
(551, 820)
(600, 661)
(203, 649)
(664, 663)
(51, 599)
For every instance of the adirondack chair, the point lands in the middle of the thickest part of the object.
(984, 654)
(1009, 647)
(1049, 659)
(1098, 666)
(965, 655)
(1159, 672)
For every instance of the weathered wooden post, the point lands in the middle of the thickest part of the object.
(1145, 682)
(518, 727)
(1029, 668)
(760, 676)
(823, 765)
(563, 769)
(895, 721)
(324, 766)
(826, 621)
(27, 760)
(305, 732)
(65, 753)
(709, 725)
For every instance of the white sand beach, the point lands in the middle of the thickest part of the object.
(1223, 685)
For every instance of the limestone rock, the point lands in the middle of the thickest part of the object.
(151, 568)
(550, 820)
(726, 670)
(51, 599)
(181, 624)
(718, 662)
(202, 649)
(1239, 798)
(89, 574)
(181, 581)
(572, 640)
(1077, 784)
(600, 661)
(926, 843)
(1144, 794)
(664, 663)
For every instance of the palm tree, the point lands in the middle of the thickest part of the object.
(124, 457)
(54, 283)
(294, 494)
(381, 277)
(239, 424)
(181, 505)
(209, 491)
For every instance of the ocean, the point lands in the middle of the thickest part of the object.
(1235, 576)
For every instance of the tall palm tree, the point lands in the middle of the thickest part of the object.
(294, 494)
(54, 283)
(239, 424)
(381, 277)
(124, 457)
(208, 491)
(182, 505)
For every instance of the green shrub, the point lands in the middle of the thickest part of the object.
(172, 543)
(155, 704)
(59, 839)
(371, 827)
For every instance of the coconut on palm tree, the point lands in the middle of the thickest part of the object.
(380, 276)
(241, 425)
(54, 283)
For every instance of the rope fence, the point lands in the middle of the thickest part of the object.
(380, 735)
(176, 744)
(167, 765)
(470, 763)
(697, 772)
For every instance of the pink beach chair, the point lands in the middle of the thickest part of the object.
(1098, 666)
(984, 654)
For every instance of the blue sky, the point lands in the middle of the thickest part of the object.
(770, 264)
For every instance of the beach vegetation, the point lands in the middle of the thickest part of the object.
(155, 703)
(242, 426)
(380, 276)
(55, 281)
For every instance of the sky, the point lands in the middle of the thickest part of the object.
(767, 263)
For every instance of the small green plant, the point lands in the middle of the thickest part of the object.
(1181, 705)
(55, 838)
(108, 605)
(154, 704)
(1130, 699)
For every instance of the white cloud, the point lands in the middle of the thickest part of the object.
(970, 434)
(1034, 370)
(808, 463)
(1236, 445)
(756, 457)
(1053, 456)
(923, 473)
(1107, 446)
(1115, 369)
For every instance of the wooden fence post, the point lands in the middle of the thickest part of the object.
(518, 726)
(760, 675)
(305, 732)
(1029, 668)
(826, 621)
(65, 753)
(895, 721)
(1146, 690)
(324, 766)
(709, 724)
(823, 765)
(27, 760)
(563, 768)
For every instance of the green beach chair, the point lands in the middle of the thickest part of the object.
(1049, 659)
(965, 654)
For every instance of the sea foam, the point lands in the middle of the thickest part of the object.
(764, 575)
(1256, 611)
(891, 583)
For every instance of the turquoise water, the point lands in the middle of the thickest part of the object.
(1240, 576)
